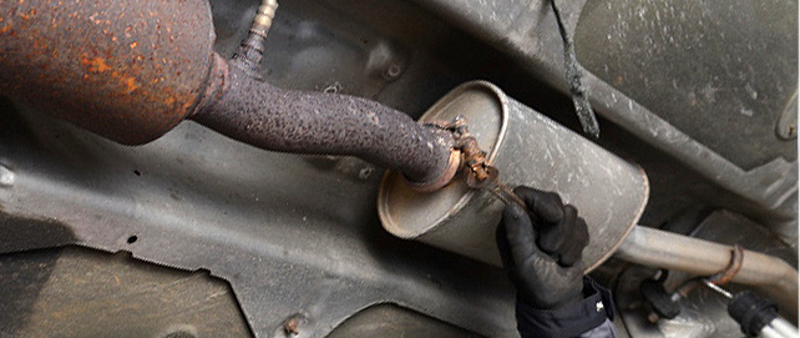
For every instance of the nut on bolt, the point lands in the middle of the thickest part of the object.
(290, 326)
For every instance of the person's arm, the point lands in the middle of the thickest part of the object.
(541, 249)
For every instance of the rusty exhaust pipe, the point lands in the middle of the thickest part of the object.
(131, 70)
(292, 121)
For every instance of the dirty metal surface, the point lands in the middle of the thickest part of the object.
(295, 236)
(390, 321)
(704, 313)
(787, 121)
(528, 32)
(108, 65)
(315, 123)
(721, 72)
(77, 292)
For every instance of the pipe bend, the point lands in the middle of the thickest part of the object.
(292, 121)
(662, 249)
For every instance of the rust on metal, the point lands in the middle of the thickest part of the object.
(129, 70)
(216, 85)
(290, 326)
(272, 118)
(735, 265)
(481, 174)
(473, 158)
(447, 175)
(720, 278)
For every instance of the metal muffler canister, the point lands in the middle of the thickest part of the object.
(528, 149)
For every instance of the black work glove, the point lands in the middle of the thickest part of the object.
(541, 249)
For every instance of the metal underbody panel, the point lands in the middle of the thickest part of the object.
(298, 237)
(285, 254)
(78, 292)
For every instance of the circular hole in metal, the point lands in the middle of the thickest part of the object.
(393, 70)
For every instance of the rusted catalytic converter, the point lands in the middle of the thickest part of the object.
(131, 70)
(128, 70)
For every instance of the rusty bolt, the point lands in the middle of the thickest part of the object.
(290, 326)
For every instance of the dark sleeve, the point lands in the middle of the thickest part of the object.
(595, 310)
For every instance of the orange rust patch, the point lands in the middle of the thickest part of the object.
(130, 84)
(187, 105)
(98, 65)
(27, 16)
(5, 29)
(95, 64)
(134, 44)
(170, 101)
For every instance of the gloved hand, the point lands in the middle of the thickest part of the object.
(541, 249)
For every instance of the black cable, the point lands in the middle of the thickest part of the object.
(580, 98)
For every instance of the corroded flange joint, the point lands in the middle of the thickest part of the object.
(216, 85)
(447, 175)
(464, 154)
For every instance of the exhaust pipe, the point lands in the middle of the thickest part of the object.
(666, 250)
(254, 112)
(131, 70)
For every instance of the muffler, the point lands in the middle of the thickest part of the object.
(610, 194)
(528, 149)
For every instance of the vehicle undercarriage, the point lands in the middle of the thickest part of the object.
(120, 220)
